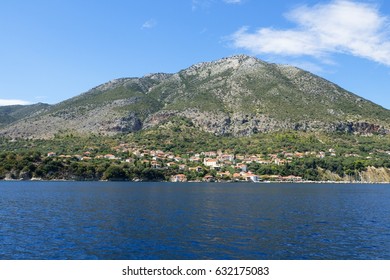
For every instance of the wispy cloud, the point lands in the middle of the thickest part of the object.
(340, 26)
(232, 1)
(201, 4)
(40, 97)
(206, 4)
(6, 102)
(149, 24)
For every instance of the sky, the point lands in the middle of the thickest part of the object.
(52, 50)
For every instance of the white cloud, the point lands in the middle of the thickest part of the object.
(149, 24)
(40, 97)
(6, 102)
(206, 4)
(202, 4)
(340, 26)
(232, 1)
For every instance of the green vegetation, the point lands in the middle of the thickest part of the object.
(177, 147)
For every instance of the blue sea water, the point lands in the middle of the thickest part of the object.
(123, 220)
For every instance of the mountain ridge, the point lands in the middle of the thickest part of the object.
(12, 113)
(238, 95)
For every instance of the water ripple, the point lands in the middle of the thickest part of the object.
(96, 220)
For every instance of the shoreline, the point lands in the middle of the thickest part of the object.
(215, 182)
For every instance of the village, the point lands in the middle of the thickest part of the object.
(207, 166)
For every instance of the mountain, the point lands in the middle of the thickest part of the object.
(238, 95)
(13, 113)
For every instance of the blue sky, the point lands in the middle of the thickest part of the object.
(52, 50)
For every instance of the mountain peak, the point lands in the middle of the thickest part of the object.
(243, 58)
(231, 63)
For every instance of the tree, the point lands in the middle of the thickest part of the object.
(115, 173)
(150, 174)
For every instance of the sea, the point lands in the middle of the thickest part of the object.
(193, 221)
